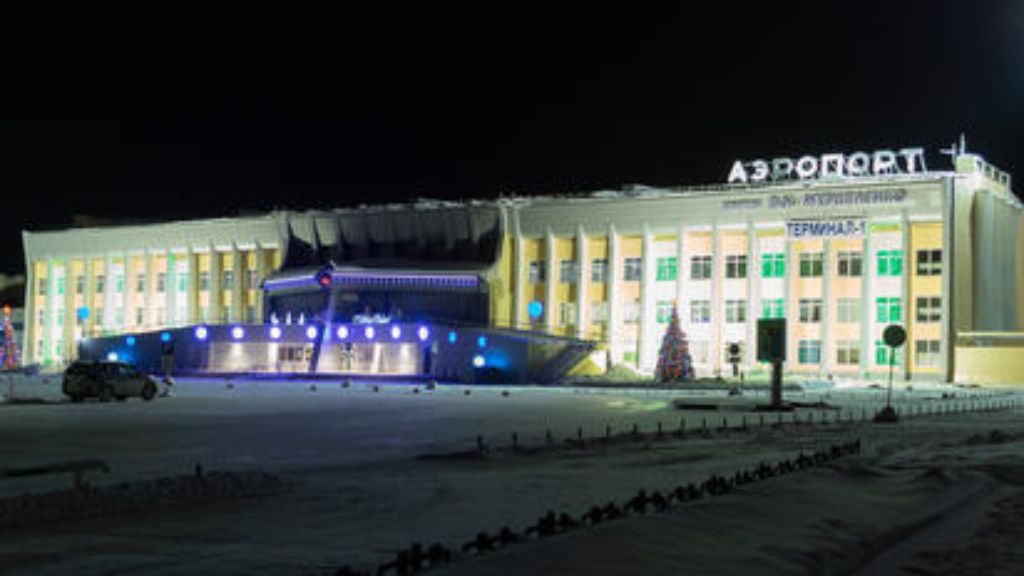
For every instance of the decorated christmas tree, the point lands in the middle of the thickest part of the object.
(674, 361)
(9, 352)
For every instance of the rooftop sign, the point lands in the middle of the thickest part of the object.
(904, 161)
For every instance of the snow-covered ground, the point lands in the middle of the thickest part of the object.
(928, 493)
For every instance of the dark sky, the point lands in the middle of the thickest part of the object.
(157, 113)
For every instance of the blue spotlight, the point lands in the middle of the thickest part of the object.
(452, 337)
(165, 336)
(130, 341)
(535, 309)
(481, 341)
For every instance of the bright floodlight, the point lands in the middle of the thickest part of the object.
(311, 333)
(342, 332)
(423, 333)
(396, 332)
(452, 337)
(112, 356)
(130, 341)
(481, 341)
(535, 309)
(479, 361)
(165, 336)
(275, 332)
(237, 332)
(369, 332)
(201, 333)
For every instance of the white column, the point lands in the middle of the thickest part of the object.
(551, 318)
(717, 304)
(170, 288)
(216, 288)
(614, 274)
(519, 273)
(88, 296)
(792, 310)
(50, 307)
(827, 344)
(647, 303)
(261, 274)
(582, 283)
(753, 286)
(70, 314)
(28, 333)
(237, 293)
(947, 333)
(149, 293)
(908, 346)
(867, 283)
(109, 285)
(193, 287)
(681, 268)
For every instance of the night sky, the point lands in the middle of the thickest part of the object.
(145, 114)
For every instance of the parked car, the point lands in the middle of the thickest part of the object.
(106, 381)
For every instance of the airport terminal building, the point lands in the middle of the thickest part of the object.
(839, 245)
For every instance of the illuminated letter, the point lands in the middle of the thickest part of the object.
(912, 155)
(857, 164)
(806, 166)
(831, 165)
(884, 162)
(782, 168)
(760, 168)
(737, 174)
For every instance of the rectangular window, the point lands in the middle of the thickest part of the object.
(810, 310)
(98, 318)
(100, 282)
(667, 268)
(41, 286)
(119, 283)
(60, 285)
(889, 310)
(634, 268)
(567, 313)
(204, 281)
(119, 316)
(41, 316)
(631, 312)
(773, 308)
(848, 310)
(79, 284)
(735, 311)
(848, 352)
(182, 282)
(250, 314)
(204, 313)
(228, 280)
(929, 262)
(929, 309)
(140, 316)
(599, 270)
(773, 265)
(161, 316)
(809, 351)
(664, 311)
(567, 271)
(810, 264)
(700, 267)
(926, 353)
(599, 312)
(736, 266)
(538, 271)
(890, 262)
(882, 354)
(849, 264)
(161, 282)
(140, 282)
(700, 311)
(252, 280)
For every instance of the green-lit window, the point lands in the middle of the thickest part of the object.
(889, 310)
(772, 308)
(182, 282)
(119, 283)
(60, 285)
(664, 311)
(668, 268)
(882, 354)
(890, 262)
(773, 265)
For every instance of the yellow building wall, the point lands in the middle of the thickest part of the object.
(923, 236)
(502, 284)
(989, 365)
(534, 249)
(565, 292)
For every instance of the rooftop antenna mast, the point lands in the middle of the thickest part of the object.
(956, 149)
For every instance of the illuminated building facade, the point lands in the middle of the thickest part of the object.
(841, 247)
